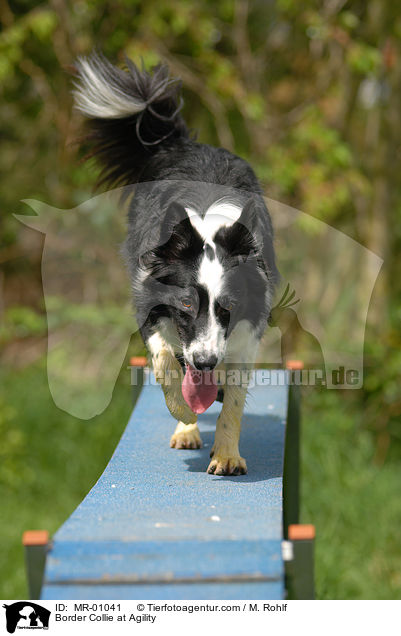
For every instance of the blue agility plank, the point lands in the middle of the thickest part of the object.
(167, 592)
(157, 526)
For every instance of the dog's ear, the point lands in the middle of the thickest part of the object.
(251, 235)
(239, 238)
(173, 217)
(179, 240)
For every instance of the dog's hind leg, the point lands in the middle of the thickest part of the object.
(168, 373)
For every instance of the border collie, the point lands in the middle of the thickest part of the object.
(199, 246)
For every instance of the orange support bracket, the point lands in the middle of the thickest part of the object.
(294, 365)
(36, 544)
(137, 366)
(299, 568)
(138, 361)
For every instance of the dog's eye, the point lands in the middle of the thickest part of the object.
(187, 303)
(227, 304)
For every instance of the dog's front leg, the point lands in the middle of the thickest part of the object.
(242, 347)
(169, 374)
(226, 459)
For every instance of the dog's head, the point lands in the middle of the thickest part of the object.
(207, 274)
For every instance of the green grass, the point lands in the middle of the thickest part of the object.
(355, 505)
(50, 460)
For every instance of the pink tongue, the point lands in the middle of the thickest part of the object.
(199, 389)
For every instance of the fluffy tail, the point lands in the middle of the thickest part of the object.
(132, 115)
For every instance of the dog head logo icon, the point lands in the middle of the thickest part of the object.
(26, 615)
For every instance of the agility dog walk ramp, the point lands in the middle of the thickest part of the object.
(157, 526)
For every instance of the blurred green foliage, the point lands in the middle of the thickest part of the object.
(309, 93)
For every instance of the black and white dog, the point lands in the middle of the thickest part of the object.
(199, 246)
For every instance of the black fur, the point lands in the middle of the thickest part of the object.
(153, 148)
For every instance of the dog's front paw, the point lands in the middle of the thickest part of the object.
(186, 436)
(227, 465)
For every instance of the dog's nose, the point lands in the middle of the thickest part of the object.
(204, 362)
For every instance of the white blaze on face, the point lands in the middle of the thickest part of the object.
(211, 275)
(220, 214)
